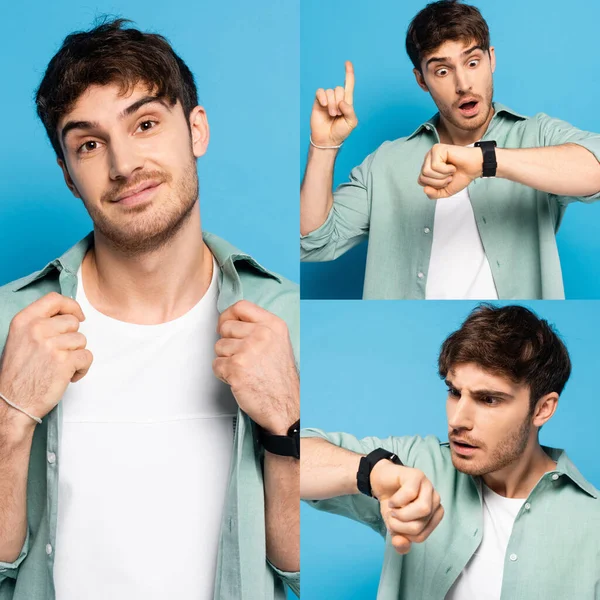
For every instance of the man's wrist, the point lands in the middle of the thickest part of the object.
(15, 427)
(280, 425)
(377, 470)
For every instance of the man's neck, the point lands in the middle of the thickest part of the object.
(450, 134)
(519, 478)
(150, 288)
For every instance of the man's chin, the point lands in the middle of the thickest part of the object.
(468, 465)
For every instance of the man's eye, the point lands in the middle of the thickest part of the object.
(454, 393)
(146, 125)
(473, 63)
(87, 147)
(490, 400)
(442, 72)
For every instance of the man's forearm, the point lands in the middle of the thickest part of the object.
(327, 470)
(282, 511)
(316, 193)
(15, 448)
(566, 170)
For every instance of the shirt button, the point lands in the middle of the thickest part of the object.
(513, 557)
(420, 275)
(48, 549)
(527, 506)
(426, 230)
(51, 458)
(555, 476)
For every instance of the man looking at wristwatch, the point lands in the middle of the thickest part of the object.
(518, 521)
(490, 231)
(150, 477)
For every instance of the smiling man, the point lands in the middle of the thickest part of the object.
(166, 471)
(491, 514)
(469, 204)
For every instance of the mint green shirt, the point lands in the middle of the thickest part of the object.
(243, 571)
(553, 552)
(384, 203)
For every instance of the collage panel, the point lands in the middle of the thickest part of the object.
(487, 410)
(149, 301)
(505, 75)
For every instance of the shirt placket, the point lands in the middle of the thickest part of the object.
(68, 287)
(516, 551)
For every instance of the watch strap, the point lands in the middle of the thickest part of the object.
(282, 445)
(363, 475)
(490, 165)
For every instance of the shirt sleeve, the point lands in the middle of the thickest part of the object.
(291, 579)
(348, 221)
(554, 132)
(11, 570)
(359, 507)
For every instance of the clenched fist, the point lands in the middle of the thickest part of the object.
(333, 118)
(449, 169)
(44, 352)
(409, 504)
(255, 357)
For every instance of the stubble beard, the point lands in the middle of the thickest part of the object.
(506, 452)
(149, 227)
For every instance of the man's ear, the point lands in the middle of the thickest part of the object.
(200, 131)
(68, 180)
(492, 54)
(420, 80)
(545, 407)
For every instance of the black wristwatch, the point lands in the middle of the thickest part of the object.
(282, 445)
(489, 158)
(363, 476)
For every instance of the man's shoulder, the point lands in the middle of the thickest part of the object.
(259, 284)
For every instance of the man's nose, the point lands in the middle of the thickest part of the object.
(125, 159)
(463, 81)
(460, 415)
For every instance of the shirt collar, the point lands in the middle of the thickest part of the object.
(565, 467)
(71, 260)
(500, 111)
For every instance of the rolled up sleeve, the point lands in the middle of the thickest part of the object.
(554, 132)
(348, 221)
(291, 579)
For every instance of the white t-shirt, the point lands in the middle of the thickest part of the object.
(481, 579)
(458, 266)
(145, 452)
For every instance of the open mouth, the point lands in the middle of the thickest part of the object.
(463, 448)
(469, 108)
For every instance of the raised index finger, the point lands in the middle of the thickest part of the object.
(349, 83)
(53, 304)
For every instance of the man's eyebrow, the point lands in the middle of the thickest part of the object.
(481, 393)
(142, 102)
(130, 110)
(71, 125)
(447, 58)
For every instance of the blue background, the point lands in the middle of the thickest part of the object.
(369, 368)
(546, 62)
(245, 57)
